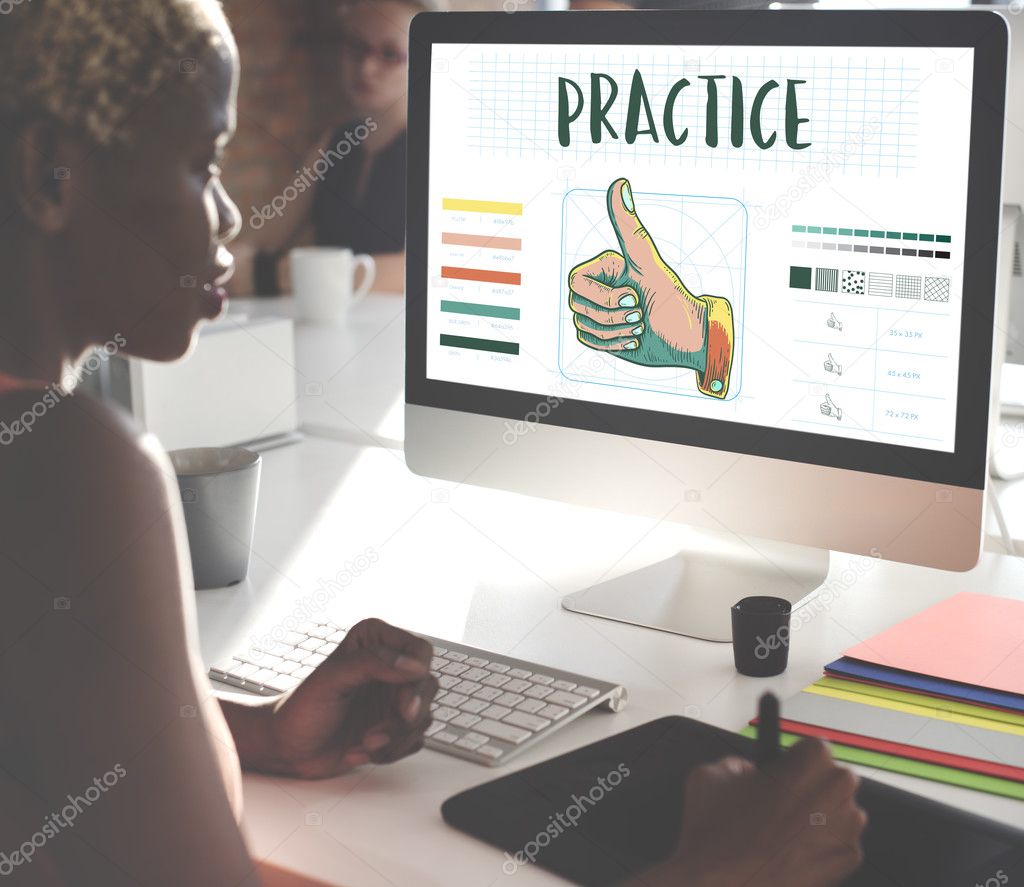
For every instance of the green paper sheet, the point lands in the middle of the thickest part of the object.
(979, 782)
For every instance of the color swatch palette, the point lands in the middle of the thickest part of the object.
(873, 233)
(480, 276)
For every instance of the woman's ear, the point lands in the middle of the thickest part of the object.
(40, 172)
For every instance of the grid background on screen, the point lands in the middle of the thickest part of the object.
(862, 112)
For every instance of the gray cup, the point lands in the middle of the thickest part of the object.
(219, 488)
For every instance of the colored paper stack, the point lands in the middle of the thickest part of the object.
(939, 696)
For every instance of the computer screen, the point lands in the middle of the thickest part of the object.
(799, 257)
(766, 233)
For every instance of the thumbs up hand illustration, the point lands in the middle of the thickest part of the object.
(632, 304)
(829, 408)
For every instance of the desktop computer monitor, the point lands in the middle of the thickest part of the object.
(730, 269)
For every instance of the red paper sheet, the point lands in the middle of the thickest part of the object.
(972, 765)
(971, 638)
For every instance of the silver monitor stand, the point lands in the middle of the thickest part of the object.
(692, 592)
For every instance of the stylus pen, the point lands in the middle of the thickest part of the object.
(767, 729)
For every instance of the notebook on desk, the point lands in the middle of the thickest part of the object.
(909, 840)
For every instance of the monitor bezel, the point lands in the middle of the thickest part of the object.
(983, 31)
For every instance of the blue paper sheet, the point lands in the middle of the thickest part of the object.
(858, 670)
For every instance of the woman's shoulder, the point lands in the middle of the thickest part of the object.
(73, 442)
(86, 498)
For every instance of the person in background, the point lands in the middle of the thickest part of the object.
(114, 118)
(360, 201)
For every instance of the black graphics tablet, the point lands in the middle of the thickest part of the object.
(550, 815)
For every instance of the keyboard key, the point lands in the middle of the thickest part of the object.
(475, 674)
(446, 737)
(496, 680)
(564, 685)
(454, 668)
(444, 713)
(498, 667)
(529, 722)
(496, 711)
(476, 662)
(474, 706)
(519, 673)
(314, 659)
(456, 656)
(303, 671)
(553, 711)
(452, 699)
(326, 649)
(440, 651)
(465, 720)
(538, 691)
(589, 692)
(517, 686)
(448, 681)
(261, 676)
(434, 727)
(544, 679)
(509, 699)
(437, 663)
(560, 697)
(468, 744)
(467, 687)
(243, 670)
(507, 732)
(267, 660)
(286, 666)
(224, 666)
(478, 738)
(282, 683)
(491, 751)
(310, 644)
(488, 693)
(320, 631)
(296, 655)
(336, 637)
(293, 638)
(530, 706)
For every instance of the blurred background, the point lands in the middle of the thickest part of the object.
(310, 67)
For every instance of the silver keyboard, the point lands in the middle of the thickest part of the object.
(489, 707)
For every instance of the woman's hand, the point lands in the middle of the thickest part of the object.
(368, 701)
(794, 823)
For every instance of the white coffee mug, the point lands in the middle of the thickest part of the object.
(323, 280)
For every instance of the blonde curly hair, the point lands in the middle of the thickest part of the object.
(89, 65)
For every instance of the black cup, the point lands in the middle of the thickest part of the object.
(760, 635)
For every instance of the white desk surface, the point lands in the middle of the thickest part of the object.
(487, 568)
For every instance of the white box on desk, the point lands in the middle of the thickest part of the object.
(238, 386)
